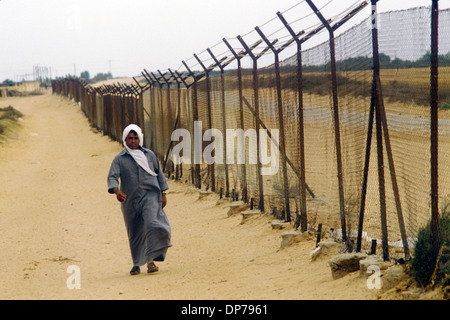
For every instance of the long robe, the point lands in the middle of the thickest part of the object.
(147, 225)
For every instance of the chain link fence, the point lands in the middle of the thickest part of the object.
(338, 134)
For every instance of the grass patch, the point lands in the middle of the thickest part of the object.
(10, 113)
(8, 118)
(446, 106)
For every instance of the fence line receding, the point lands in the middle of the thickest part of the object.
(349, 125)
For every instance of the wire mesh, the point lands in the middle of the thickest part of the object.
(247, 96)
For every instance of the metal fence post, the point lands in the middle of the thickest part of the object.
(169, 117)
(160, 121)
(238, 57)
(281, 123)
(337, 135)
(196, 178)
(151, 115)
(170, 114)
(241, 115)
(256, 96)
(186, 104)
(211, 170)
(224, 125)
(302, 220)
(434, 126)
(178, 167)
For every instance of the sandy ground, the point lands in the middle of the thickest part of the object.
(55, 213)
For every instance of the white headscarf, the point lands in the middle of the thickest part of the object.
(137, 155)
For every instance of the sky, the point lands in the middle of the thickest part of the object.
(126, 37)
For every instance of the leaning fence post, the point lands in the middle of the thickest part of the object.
(366, 170)
(380, 106)
(381, 180)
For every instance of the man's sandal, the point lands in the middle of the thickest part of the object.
(151, 267)
(135, 270)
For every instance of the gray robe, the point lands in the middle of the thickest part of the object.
(146, 222)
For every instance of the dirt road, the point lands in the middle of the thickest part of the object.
(57, 221)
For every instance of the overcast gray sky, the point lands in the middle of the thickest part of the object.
(71, 36)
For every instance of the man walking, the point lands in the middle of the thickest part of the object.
(142, 193)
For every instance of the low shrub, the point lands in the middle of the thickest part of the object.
(10, 113)
(425, 259)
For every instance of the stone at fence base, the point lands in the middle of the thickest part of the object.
(392, 276)
(192, 190)
(204, 194)
(237, 207)
(373, 260)
(291, 237)
(249, 213)
(345, 263)
(325, 249)
(279, 225)
(223, 202)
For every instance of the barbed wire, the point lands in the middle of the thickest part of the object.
(282, 38)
